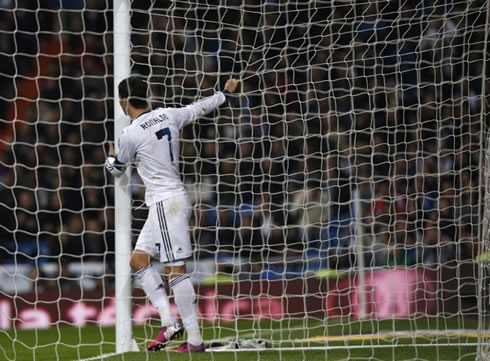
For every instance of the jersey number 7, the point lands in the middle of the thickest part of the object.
(166, 132)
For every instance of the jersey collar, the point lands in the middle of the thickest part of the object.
(149, 110)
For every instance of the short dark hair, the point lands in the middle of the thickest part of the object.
(135, 89)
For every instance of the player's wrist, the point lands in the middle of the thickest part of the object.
(227, 94)
(112, 167)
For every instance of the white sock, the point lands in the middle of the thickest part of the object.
(185, 298)
(155, 290)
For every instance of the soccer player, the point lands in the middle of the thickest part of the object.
(152, 142)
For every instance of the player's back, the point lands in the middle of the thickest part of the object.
(152, 140)
(155, 137)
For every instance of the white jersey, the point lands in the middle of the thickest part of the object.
(152, 142)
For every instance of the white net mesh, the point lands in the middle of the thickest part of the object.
(337, 200)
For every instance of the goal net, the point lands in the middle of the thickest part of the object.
(338, 200)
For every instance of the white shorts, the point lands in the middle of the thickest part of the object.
(165, 234)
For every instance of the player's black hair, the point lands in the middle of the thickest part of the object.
(135, 89)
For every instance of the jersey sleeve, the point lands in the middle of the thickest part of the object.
(126, 149)
(190, 113)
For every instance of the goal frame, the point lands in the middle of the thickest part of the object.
(122, 201)
(483, 349)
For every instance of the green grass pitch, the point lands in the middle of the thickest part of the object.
(382, 340)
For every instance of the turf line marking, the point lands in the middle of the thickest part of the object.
(100, 357)
(326, 348)
(394, 335)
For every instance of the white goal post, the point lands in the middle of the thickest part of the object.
(122, 201)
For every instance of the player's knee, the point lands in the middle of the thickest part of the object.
(139, 261)
(175, 271)
(133, 264)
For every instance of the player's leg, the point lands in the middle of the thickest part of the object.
(185, 299)
(153, 285)
(174, 214)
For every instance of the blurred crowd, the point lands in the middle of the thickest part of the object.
(359, 129)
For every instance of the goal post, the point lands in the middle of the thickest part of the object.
(483, 351)
(122, 201)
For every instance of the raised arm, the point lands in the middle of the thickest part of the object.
(204, 106)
